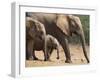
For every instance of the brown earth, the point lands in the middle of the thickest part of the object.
(77, 57)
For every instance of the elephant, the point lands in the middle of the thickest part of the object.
(34, 29)
(51, 44)
(62, 26)
(35, 38)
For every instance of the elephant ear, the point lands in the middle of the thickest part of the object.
(62, 23)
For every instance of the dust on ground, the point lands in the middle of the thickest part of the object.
(77, 57)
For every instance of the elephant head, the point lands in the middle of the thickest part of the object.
(34, 28)
(70, 24)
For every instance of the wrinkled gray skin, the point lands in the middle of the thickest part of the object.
(36, 38)
(61, 27)
(34, 31)
(51, 44)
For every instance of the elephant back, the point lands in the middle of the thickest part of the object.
(34, 28)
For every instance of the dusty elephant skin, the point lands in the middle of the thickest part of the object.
(61, 27)
(51, 43)
(36, 39)
(35, 31)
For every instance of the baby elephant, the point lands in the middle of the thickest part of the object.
(51, 44)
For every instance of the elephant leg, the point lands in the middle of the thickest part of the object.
(45, 50)
(57, 53)
(49, 53)
(45, 59)
(30, 49)
(45, 55)
(27, 54)
(64, 43)
(34, 57)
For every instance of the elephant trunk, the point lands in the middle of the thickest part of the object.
(82, 38)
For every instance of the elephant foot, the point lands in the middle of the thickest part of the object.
(68, 61)
(57, 57)
(27, 58)
(35, 58)
(30, 58)
(45, 59)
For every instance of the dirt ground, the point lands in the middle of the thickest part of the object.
(77, 57)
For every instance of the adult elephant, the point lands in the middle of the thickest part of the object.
(61, 27)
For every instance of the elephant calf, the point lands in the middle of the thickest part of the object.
(51, 44)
